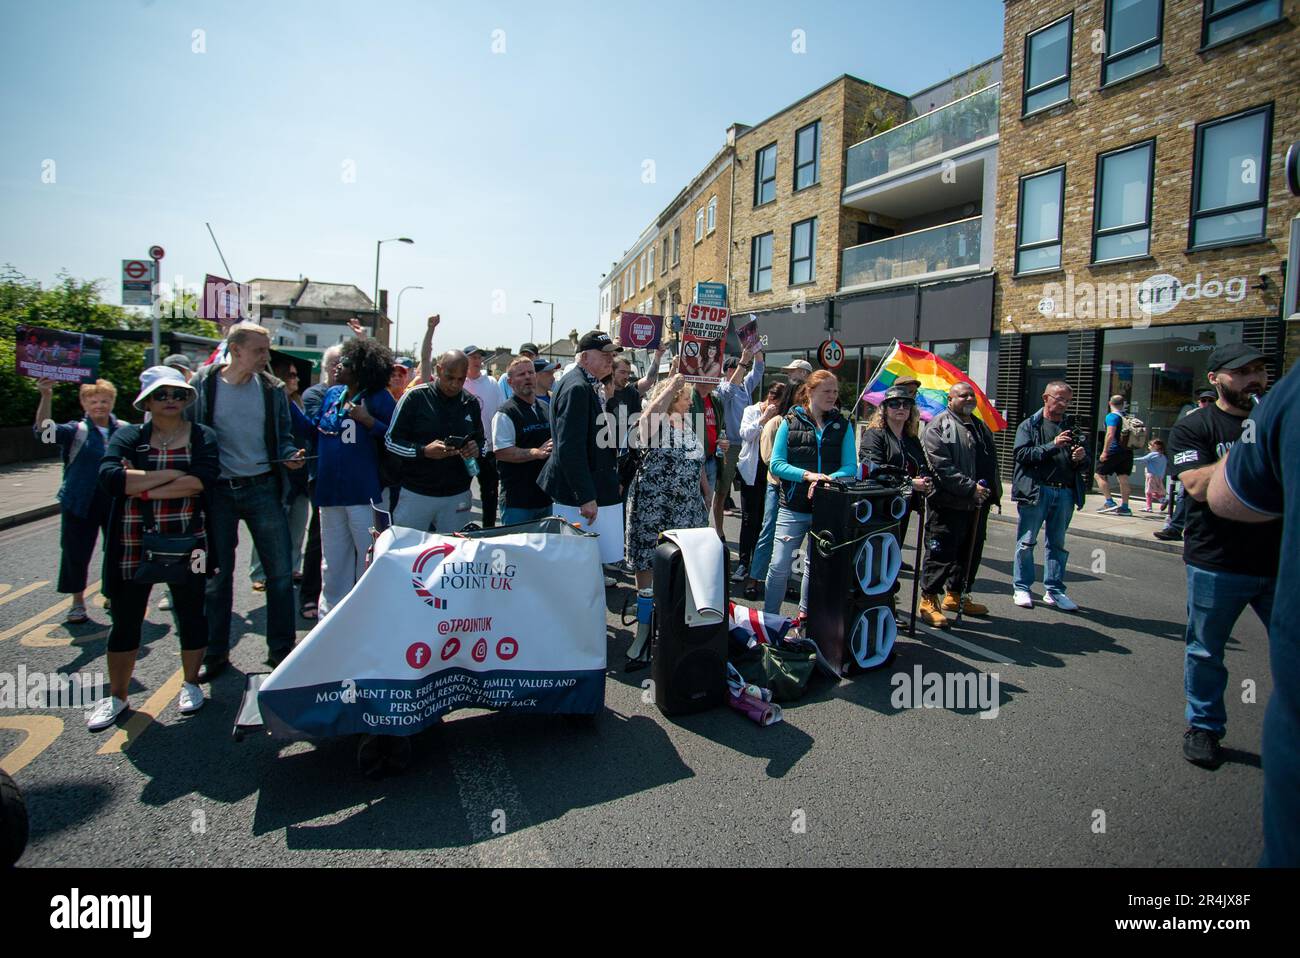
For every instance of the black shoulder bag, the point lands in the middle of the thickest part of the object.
(163, 558)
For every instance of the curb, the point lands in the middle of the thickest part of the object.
(31, 515)
(1153, 544)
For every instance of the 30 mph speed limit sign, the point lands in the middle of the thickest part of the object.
(831, 354)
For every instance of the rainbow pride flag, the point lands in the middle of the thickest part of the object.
(936, 376)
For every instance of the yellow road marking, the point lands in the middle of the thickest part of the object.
(41, 731)
(42, 636)
(10, 596)
(141, 718)
(62, 605)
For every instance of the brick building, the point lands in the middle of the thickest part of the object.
(1142, 212)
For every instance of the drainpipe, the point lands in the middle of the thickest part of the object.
(731, 219)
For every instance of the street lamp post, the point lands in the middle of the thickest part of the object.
(378, 244)
(532, 336)
(550, 343)
(397, 320)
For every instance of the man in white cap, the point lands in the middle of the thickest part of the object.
(485, 389)
(798, 371)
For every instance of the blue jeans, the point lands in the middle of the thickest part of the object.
(511, 516)
(1054, 508)
(791, 528)
(259, 506)
(762, 556)
(1215, 600)
(711, 476)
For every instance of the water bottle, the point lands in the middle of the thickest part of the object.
(471, 466)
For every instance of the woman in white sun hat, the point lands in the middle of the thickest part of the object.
(157, 475)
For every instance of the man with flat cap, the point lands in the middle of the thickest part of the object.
(581, 475)
(1230, 564)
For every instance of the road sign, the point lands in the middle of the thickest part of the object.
(711, 294)
(137, 282)
(156, 252)
(831, 354)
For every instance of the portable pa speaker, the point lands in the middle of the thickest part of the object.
(854, 569)
(688, 664)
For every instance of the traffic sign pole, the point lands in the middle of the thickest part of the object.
(156, 254)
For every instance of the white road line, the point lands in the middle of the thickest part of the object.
(968, 646)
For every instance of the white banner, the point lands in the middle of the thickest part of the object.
(439, 623)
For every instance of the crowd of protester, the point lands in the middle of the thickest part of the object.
(636, 455)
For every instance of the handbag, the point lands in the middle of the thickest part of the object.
(783, 669)
(163, 558)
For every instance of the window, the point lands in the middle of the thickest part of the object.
(1133, 38)
(765, 175)
(677, 245)
(1038, 240)
(760, 264)
(806, 150)
(311, 339)
(1121, 215)
(1230, 179)
(663, 258)
(956, 352)
(699, 225)
(1225, 20)
(713, 214)
(1047, 66)
(803, 247)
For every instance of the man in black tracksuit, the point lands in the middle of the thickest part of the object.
(437, 433)
(960, 450)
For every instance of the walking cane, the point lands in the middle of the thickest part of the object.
(916, 569)
(970, 558)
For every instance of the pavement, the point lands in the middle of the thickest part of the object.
(1135, 530)
(28, 491)
(1080, 766)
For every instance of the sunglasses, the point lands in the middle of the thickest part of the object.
(897, 403)
(169, 395)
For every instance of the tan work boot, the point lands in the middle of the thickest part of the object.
(929, 612)
(970, 607)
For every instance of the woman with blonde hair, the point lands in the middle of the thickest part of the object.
(83, 505)
(814, 444)
(892, 439)
(669, 492)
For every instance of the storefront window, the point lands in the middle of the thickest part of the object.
(1046, 363)
(956, 352)
(1160, 369)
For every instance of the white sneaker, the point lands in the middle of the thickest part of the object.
(165, 603)
(105, 713)
(1022, 598)
(1061, 601)
(739, 574)
(191, 698)
(610, 582)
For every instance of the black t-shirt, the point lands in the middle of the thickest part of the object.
(628, 399)
(1201, 439)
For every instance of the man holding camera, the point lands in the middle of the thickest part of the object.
(437, 432)
(1048, 482)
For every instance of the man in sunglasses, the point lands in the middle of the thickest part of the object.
(1048, 482)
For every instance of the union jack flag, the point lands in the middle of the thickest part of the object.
(752, 627)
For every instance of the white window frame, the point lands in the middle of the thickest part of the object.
(699, 224)
(711, 223)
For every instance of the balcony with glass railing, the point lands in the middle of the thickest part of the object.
(949, 128)
(934, 250)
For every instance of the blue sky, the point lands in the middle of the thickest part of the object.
(517, 173)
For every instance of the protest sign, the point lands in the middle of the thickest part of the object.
(702, 343)
(748, 335)
(639, 331)
(56, 354)
(226, 302)
(513, 622)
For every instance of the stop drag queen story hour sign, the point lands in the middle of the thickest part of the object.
(703, 339)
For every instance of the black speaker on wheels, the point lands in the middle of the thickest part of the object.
(854, 562)
(688, 663)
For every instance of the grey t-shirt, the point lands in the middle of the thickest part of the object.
(240, 421)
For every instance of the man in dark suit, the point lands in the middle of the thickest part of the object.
(581, 475)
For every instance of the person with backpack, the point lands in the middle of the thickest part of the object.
(158, 478)
(83, 505)
(350, 429)
(1116, 457)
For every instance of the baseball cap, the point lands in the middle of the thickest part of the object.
(471, 350)
(896, 392)
(155, 377)
(598, 340)
(801, 364)
(1233, 356)
(730, 362)
(406, 361)
(529, 348)
(545, 365)
(178, 361)
(1209, 394)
